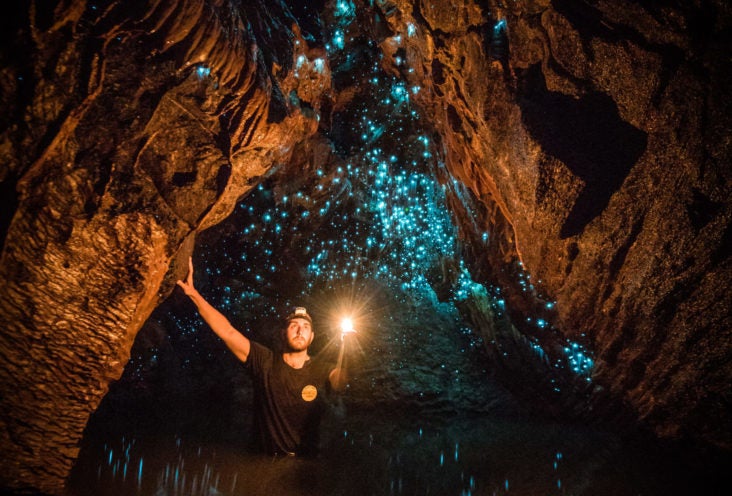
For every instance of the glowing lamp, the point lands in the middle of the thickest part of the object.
(347, 327)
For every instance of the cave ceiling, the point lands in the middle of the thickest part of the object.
(545, 185)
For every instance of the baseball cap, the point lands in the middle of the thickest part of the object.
(300, 313)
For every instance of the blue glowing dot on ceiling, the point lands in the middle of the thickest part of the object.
(339, 40)
(344, 8)
(203, 71)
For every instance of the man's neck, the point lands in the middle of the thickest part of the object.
(296, 359)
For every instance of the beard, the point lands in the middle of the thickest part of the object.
(297, 343)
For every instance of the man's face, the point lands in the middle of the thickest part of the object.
(299, 334)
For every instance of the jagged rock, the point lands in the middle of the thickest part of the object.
(130, 129)
(597, 138)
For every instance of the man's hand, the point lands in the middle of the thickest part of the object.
(187, 285)
(235, 340)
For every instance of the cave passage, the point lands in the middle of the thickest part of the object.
(363, 225)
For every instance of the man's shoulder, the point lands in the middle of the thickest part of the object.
(259, 355)
(260, 348)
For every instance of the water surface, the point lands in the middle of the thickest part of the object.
(391, 456)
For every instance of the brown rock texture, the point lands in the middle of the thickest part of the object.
(128, 127)
(597, 139)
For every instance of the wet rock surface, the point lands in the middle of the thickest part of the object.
(592, 133)
(128, 130)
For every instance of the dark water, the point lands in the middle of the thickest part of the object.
(380, 456)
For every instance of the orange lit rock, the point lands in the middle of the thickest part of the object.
(597, 139)
(129, 130)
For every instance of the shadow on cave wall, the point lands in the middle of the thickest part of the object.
(588, 136)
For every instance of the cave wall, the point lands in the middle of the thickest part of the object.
(596, 137)
(127, 129)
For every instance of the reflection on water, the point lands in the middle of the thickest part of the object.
(463, 457)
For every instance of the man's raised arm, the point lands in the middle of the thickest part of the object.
(235, 340)
(338, 377)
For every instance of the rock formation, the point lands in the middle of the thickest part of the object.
(126, 131)
(598, 135)
(594, 137)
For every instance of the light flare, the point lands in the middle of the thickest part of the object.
(347, 327)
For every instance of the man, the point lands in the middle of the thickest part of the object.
(288, 387)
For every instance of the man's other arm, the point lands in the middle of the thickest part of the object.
(233, 339)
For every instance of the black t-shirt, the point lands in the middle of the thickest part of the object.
(288, 402)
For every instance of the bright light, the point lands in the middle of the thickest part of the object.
(347, 326)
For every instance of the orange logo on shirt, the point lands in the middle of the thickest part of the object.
(309, 393)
